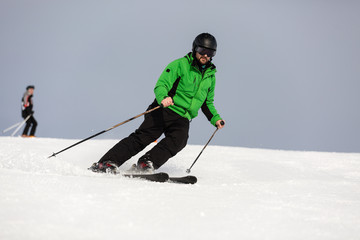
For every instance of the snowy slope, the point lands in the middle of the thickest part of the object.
(241, 194)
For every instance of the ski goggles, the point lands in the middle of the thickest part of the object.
(207, 51)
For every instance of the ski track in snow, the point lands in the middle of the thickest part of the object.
(241, 193)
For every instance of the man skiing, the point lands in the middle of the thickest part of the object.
(27, 109)
(186, 85)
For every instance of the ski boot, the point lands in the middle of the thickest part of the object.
(145, 165)
(104, 167)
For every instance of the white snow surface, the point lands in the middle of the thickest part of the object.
(241, 193)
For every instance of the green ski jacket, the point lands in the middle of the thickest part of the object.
(189, 88)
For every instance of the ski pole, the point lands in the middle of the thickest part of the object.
(20, 125)
(104, 131)
(188, 170)
(9, 128)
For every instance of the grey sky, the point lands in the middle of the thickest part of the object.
(288, 71)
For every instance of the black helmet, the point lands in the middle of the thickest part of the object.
(205, 40)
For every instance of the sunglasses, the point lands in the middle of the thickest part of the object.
(207, 51)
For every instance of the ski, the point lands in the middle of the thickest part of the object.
(155, 177)
(185, 180)
(162, 177)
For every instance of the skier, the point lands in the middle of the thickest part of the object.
(186, 85)
(27, 109)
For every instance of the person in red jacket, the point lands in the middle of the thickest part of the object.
(27, 109)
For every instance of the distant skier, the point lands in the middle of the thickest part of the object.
(27, 109)
(186, 85)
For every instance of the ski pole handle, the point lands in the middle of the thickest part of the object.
(222, 123)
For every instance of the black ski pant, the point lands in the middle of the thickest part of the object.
(162, 120)
(31, 122)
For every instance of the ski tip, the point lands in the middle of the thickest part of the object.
(184, 180)
(192, 179)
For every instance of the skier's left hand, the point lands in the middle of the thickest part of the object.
(219, 125)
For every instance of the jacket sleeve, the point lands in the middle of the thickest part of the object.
(208, 107)
(166, 82)
(26, 104)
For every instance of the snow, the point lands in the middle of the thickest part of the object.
(241, 193)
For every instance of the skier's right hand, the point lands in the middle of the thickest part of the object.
(167, 102)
